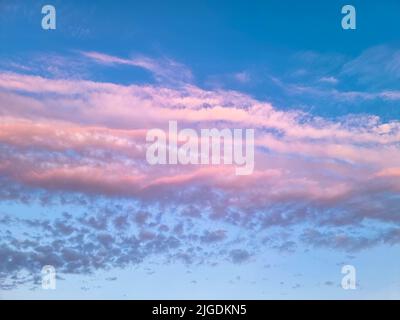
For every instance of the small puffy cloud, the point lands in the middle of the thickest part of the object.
(329, 80)
(239, 255)
(242, 77)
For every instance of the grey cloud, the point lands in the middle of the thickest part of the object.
(239, 256)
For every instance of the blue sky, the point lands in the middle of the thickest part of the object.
(268, 42)
(325, 102)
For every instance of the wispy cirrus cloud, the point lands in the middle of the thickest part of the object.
(162, 69)
(376, 66)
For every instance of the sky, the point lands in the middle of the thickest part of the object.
(77, 192)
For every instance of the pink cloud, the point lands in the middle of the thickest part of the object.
(323, 163)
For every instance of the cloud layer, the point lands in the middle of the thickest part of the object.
(335, 182)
